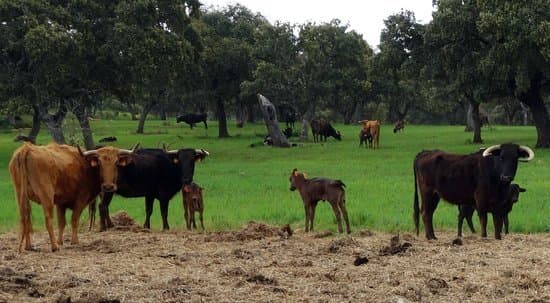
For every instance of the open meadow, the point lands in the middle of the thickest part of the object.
(236, 260)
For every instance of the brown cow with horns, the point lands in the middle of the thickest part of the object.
(65, 177)
(481, 179)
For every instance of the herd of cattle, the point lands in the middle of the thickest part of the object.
(64, 177)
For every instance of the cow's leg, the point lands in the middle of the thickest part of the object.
(148, 211)
(312, 215)
(336, 211)
(193, 219)
(460, 221)
(205, 125)
(186, 215)
(164, 213)
(104, 217)
(497, 222)
(506, 224)
(48, 218)
(306, 209)
(61, 222)
(470, 223)
(429, 204)
(75, 218)
(345, 214)
(483, 222)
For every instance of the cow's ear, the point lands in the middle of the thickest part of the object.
(522, 190)
(186, 188)
(124, 160)
(93, 160)
(295, 172)
(175, 160)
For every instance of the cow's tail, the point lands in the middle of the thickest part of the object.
(415, 204)
(19, 173)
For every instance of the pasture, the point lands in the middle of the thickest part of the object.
(236, 260)
(244, 183)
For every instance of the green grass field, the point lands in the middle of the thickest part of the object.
(243, 183)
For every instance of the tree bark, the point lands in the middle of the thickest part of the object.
(270, 119)
(533, 99)
(476, 121)
(35, 124)
(222, 119)
(306, 118)
(87, 136)
(146, 109)
(54, 122)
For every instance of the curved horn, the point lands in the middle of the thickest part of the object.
(202, 151)
(529, 152)
(88, 152)
(174, 151)
(490, 149)
(127, 151)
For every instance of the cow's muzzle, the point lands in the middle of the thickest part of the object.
(108, 188)
(292, 188)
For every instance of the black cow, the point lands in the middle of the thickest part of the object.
(288, 114)
(191, 119)
(466, 211)
(481, 179)
(108, 139)
(153, 174)
(321, 129)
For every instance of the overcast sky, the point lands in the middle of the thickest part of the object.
(364, 16)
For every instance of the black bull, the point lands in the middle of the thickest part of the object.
(153, 174)
(481, 179)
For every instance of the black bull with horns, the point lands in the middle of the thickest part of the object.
(154, 174)
(481, 179)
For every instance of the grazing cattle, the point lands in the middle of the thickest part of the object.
(315, 189)
(65, 177)
(192, 202)
(466, 211)
(288, 114)
(108, 139)
(373, 126)
(399, 126)
(191, 119)
(365, 137)
(481, 179)
(154, 174)
(321, 129)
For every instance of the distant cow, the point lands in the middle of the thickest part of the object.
(154, 174)
(466, 211)
(192, 202)
(108, 139)
(399, 126)
(373, 126)
(288, 114)
(61, 176)
(365, 137)
(191, 119)
(321, 129)
(481, 179)
(315, 189)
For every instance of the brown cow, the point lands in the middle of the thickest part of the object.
(315, 189)
(321, 129)
(372, 126)
(62, 176)
(192, 202)
(399, 126)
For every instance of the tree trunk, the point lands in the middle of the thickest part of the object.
(358, 112)
(146, 109)
(251, 118)
(533, 99)
(54, 122)
(469, 119)
(87, 136)
(162, 113)
(35, 124)
(524, 113)
(240, 113)
(476, 122)
(306, 118)
(270, 118)
(222, 120)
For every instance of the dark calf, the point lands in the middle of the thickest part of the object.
(467, 211)
(108, 139)
(315, 189)
(192, 202)
(399, 126)
(364, 137)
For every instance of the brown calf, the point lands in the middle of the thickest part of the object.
(64, 177)
(365, 137)
(315, 189)
(192, 202)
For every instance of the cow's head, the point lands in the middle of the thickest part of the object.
(337, 135)
(108, 159)
(506, 157)
(185, 159)
(296, 178)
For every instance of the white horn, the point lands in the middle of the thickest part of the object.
(529, 151)
(490, 149)
(202, 151)
(89, 152)
(127, 151)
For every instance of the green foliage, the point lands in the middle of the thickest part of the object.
(243, 183)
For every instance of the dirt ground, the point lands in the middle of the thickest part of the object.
(261, 263)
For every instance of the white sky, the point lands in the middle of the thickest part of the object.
(364, 16)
